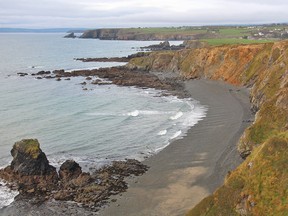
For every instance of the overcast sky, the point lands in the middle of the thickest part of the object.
(138, 13)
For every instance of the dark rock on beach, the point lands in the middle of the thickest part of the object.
(69, 170)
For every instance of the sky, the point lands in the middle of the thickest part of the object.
(138, 13)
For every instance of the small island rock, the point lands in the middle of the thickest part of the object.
(70, 35)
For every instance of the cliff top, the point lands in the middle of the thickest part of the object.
(188, 33)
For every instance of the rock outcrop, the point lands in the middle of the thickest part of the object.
(123, 76)
(70, 35)
(30, 169)
(36, 180)
(136, 34)
(28, 159)
(113, 59)
(257, 186)
(69, 170)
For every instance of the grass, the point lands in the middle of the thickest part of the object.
(164, 30)
(29, 146)
(230, 41)
(233, 32)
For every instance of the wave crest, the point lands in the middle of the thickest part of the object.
(177, 116)
(162, 132)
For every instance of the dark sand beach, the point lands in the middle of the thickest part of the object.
(193, 167)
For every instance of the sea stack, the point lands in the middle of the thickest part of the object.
(30, 168)
(70, 35)
(29, 159)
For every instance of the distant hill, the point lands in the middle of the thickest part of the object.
(50, 30)
(267, 31)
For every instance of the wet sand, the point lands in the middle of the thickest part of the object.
(191, 168)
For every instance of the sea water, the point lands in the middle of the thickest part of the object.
(92, 127)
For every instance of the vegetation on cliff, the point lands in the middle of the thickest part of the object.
(259, 185)
(191, 33)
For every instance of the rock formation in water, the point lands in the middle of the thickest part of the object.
(70, 35)
(36, 180)
(30, 169)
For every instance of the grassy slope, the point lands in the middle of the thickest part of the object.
(164, 30)
(225, 41)
(258, 186)
(204, 32)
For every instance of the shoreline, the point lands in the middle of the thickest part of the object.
(191, 168)
(186, 168)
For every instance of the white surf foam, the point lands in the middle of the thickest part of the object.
(177, 116)
(147, 112)
(157, 150)
(162, 132)
(134, 113)
(177, 134)
(6, 195)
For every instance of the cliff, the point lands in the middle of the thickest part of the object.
(144, 34)
(259, 186)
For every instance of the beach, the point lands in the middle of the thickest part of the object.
(184, 172)
(191, 168)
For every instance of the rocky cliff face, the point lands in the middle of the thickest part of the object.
(133, 34)
(259, 185)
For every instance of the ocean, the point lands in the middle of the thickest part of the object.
(92, 127)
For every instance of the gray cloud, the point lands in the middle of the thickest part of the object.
(134, 13)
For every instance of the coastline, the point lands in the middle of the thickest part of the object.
(191, 168)
(185, 171)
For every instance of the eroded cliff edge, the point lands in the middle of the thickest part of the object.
(259, 186)
(138, 34)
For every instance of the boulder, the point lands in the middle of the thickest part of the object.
(69, 170)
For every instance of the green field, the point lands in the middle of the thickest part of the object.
(233, 32)
(214, 35)
(224, 41)
(168, 30)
